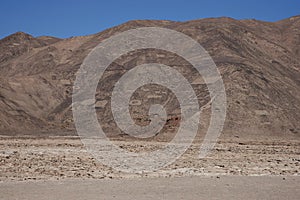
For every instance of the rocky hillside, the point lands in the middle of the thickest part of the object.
(259, 62)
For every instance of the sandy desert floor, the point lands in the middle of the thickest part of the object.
(59, 167)
(187, 188)
(57, 158)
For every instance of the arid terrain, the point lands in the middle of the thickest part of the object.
(260, 66)
(259, 63)
(58, 158)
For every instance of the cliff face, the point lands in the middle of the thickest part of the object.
(259, 63)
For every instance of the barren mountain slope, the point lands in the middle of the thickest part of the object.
(259, 63)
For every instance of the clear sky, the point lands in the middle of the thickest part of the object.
(66, 18)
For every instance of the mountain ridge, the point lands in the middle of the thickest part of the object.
(259, 62)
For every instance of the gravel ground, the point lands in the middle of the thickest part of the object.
(58, 158)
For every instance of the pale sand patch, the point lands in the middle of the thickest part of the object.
(194, 188)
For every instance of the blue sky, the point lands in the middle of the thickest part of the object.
(66, 18)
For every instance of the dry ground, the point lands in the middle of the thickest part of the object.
(187, 188)
(48, 158)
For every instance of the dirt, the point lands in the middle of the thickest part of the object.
(58, 158)
(194, 188)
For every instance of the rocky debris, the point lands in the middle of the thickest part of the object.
(62, 158)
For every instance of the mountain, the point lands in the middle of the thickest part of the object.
(259, 63)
